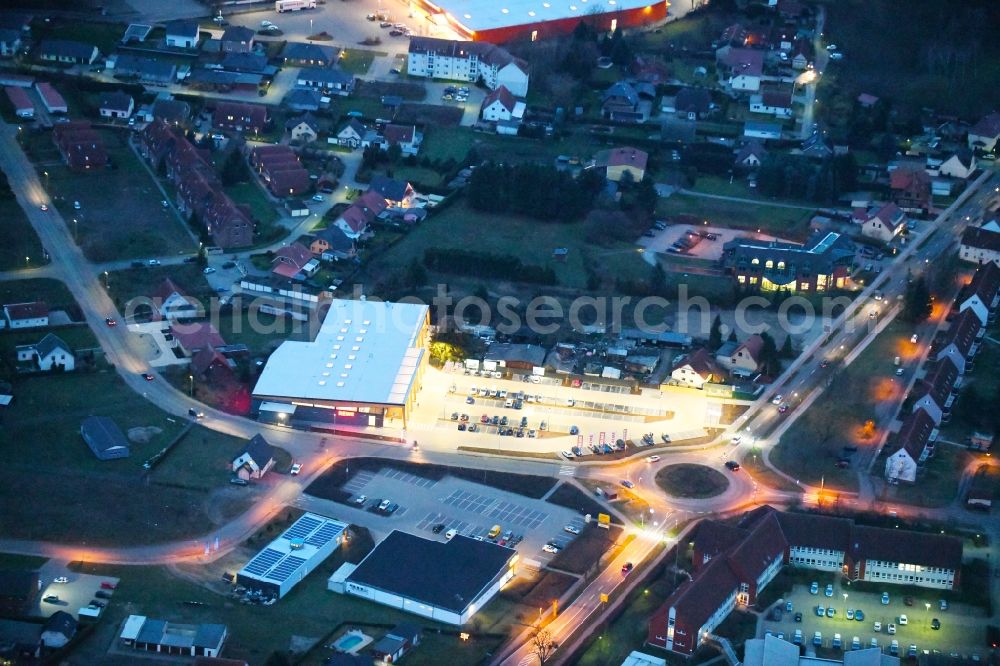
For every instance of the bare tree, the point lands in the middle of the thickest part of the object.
(543, 646)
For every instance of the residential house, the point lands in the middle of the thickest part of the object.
(981, 295)
(255, 459)
(51, 99)
(802, 54)
(171, 303)
(295, 262)
(300, 54)
(182, 34)
(745, 359)
(765, 131)
(23, 106)
(116, 105)
(34, 314)
(916, 443)
(146, 634)
(237, 39)
(58, 630)
(191, 337)
(198, 190)
(620, 103)
(750, 155)
(620, 161)
(240, 117)
(650, 70)
(960, 342)
(733, 563)
(981, 441)
(981, 245)
(330, 80)
(397, 193)
(911, 189)
(937, 391)
(304, 128)
(217, 80)
(49, 353)
(80, 145)
(67, 51)
(405, 136)
(356, 219)
(822, 264)
(401, 639)
(281, 170)
(961, 164)
(303, 99)
(332, 244)
(740, 68)
(351, 134)
(253, 63)
(145, 70)
(498, 105)
(212, 367)
(458, 60)
(10, 42)
(773, 103)
(697, 369)
(171, 111)
(883, 222)
(689, 103)
(985, 134)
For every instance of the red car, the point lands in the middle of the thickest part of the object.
(110, 321)
(626, 568)
(108, 585)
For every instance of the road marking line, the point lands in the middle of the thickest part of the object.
(567, 470)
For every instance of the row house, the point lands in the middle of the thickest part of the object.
(822, 264)
(981, 245)
(938, 390)
(467, 61)
(279, 167)
(240, 117)
(732, 564)
(80, 145)
(915, 440)
(960, 342)
(199, 192)
(329, 80)
(981, 295)
(67, 51)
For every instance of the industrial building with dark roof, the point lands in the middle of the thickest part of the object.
(447, 581)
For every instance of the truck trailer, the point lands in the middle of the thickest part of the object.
(282, 6)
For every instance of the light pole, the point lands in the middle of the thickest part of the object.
(76, 237)
(107, 282)
(845, 604)
(27, 261)
(191, 385)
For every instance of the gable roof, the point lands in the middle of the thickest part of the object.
(50, 343)
(748, 62)
(390, 188)
(980, 238)
(182, 28)
(355, 126)
(205, 359)
(714, 536)
(67, 48)
(889, 545)
(503, 95)
(752, 148)
(939, 381)
(21, 311)
(903, 178)
(116, 101)
(915, 433)
(399, 133)
(102, 434)
(703, 363)
(325, 75)
(765, 542)
(309, 52)
(307, 118)
(197, 335)
(259, 450)
(334, 237)
(752, 346)
(296, 254)
(697, 100)
(988, 126)
(621, 90)
(237, 33)
(962, 332)
(166, 289)
(985, 284)
(491, 54)
(622, 156)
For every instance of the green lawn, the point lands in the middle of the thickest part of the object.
(262, 332)
(441, 143)
(151, 230)
(51, 291)
(974, 411)
(461, 227)
(10, 561)
(262, 208)
(105, 36)
(937, 481)
(130, 283)
(77, 337)
(46, 458)
(21, 247)
(788, 223)
(810, 447)
(721, 186)
(357, 61)
(202, 460)
(692, 481)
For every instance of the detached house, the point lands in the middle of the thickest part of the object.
(396, 193)
(237, 39)
(405, 136)
(240, 117)
(49, 353)
(981, 245)
(301, 54)
(171, 303)
(332, 244)
(689, 103)
(351, 134)
(961, 164)
(116, 105)
(355, 220)
(915, 441)
(911, 189)
(80, 145)
(26, 315)
(985, 134)
(255, 460)
(773, 103)
(741, 69)
(182, 34)
(67, 51)
(500, 105)
(745, 359)
(303, 128)
(750, 155)
(620, 161)
(697, 369)
(882, 222)
(295, 262)
(620, 103)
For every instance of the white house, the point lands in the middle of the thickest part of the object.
(960, 165)
(467, 61)
(773, 103)
(26, 315)
(50, 353)
(985, 134)
(116, 105)
(742, 69)
(182, 34)
(882, 222)
(915, 440)
(981, 245)
(172, 303)
(498, 105)
(350, 135)
(698, 369)
(255, 460)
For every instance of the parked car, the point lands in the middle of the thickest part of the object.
(208, 270)
(61, 579)
(237, 481)
(903, 620)
(627, 484)
(296, 468)
(818, 639)
(829, 590)
(51, 599)
(859, 615)
(196, 413)
(935, 624)
(360, 500)
(572, 529)
(437, 529)
(877, 627)
(814, 588)
(102, 594)
(550, 548)
(885, 598)
(798, 617)
(890, 629)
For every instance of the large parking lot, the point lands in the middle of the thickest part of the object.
(962, 628)
(433, 507)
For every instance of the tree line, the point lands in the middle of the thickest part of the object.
(535, 190)
(486, 265)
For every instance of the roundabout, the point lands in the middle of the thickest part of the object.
(691, 481)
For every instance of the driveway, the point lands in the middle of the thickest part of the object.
(709, 250)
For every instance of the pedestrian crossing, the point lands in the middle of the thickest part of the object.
(567, 470)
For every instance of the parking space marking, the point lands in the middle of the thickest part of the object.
(567, 470)
(495, 509)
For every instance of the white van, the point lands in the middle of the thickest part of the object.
(450, 534)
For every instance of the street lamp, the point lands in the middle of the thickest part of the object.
(107, 283)
(845, 603)
(191, 385)
(27, 261)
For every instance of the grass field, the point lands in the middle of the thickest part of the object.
(130, 283)
(99, 230)
(261, 207)
(51, 291)
(21, 247)
(461, 227)
(262, 332)
(105, 36)
(692, 481)
(357, 61)
(77, 337)
(938, 479)
(47, 458)
(454, 142)
(10, 561)
(791, 223)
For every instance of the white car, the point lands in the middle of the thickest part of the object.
(76, 205)
(572, 529)
(776, 400)
(736, 439)
(208, 270)
(877, 627)
(61, 579)
(891, 629)
(318, 197)
(903, 620)
(296, 468)
(568, 455)
(550, 548)
(153, 262)
(652, 459)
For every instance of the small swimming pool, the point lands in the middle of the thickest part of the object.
(348, 642)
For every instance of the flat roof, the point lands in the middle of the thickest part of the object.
(296, 546)
(365, 352)
(477, 15)
(446, 574)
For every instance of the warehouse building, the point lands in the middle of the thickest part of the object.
(508, 20)
(104, 437)
(363, 368)
(195, 640)
(291, 557)
(447, 581)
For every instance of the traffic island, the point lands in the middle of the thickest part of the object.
(691, 481)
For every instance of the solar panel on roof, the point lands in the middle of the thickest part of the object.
(264, 560)
(324, 535)
(302, 527)
(286, 568)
